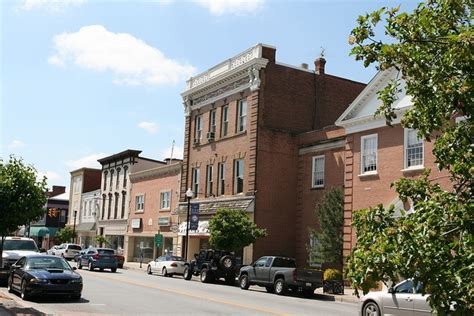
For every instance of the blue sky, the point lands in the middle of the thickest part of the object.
(81, 79)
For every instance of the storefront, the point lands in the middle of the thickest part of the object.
(145, 245)
(198, 239)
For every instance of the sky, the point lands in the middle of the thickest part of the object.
(84, 79)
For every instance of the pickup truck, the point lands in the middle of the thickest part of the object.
(13, 249)
(278, 275)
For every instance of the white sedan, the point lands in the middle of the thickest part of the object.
(166, 266)
(403, 299)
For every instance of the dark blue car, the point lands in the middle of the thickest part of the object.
(38, 275)
(101, 258)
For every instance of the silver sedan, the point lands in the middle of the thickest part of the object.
(403, 299)
(166, 266)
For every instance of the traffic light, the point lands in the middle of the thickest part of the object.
(52, 212)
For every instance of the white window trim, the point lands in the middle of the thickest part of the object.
(405, 160)
(142, 210)
(313, 170)
(362, 139)
(169, 200)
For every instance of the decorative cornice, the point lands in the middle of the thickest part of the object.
(153, 173)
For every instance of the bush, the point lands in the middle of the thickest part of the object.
(332, 274)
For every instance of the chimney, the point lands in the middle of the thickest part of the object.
(304, 66)
(319, 64)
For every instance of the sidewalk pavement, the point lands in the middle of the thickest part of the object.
(10, 307)
(347, 297)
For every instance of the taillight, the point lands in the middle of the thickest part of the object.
(96, 256)
(294, 275)
(174, 264)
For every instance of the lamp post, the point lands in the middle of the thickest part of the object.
(189, 195)
(74, 227)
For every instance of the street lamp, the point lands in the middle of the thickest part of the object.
(74, 227)
(189, 195)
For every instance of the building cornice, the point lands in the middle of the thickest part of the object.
(153, 173)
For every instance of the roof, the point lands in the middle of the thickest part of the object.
(63, 196)
(121, 155)
(85, 169)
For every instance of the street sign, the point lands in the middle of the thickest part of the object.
(158, 240)
(194, 216)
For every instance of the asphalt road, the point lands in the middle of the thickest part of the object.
(129, 292)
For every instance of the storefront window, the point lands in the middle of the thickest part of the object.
(143, 246)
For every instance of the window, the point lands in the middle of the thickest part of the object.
(111, 179)
(139, 203)
(125, 176)
(116, 205)
(221, 183)
(242, 116)
(105, 180)
(413, 149)
(117, 183)
(198, 128)
(318, 172)
(110, 206)
(212, 121)
(196, 175)
(238, 176)
(368, 154)
(103, 206)
(224, 120)
(77, 184)
(124, 194)
(209, 176)
(165, 200)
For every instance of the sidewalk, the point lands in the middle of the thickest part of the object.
(347, 297)
(10, 307)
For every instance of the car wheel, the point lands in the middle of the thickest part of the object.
(244, 282)
(113, 270)
(187, 275)
(164, 272)
(270, 289)
(91, 267)
(205, 276)
(280, 287)
(24, 292)
(370, 309)
(9, 285)
(226, 262)
(148, 269)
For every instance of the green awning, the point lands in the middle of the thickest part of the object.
(42, 231)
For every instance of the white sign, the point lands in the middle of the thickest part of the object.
(136, 222)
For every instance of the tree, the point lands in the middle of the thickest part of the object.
(66, 234)
(232, 230)
(100, 240)
(22, 197)
(432, 49)
(328, 238)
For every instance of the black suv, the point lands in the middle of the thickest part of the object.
(212, 265)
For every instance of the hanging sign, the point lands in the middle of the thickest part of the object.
(194, 216)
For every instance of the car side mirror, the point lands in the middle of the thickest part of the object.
(391, 290)
(14, 266)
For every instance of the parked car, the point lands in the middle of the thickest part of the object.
(13, 249)
(120, 260)
(167, 266)
(278, 275)
(212, 265)
(52, 250)
(102, 258)
(405, 298)
(67, 251)
(81, 253)
(38, 275)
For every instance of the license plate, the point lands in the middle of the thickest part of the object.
(308, 284)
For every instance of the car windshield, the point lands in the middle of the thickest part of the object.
(106, 251)
(47, 263)
(75, 247)
(174, 258)
(19, 244)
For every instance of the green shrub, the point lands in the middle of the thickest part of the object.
(332, 274)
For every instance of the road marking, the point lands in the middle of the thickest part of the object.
(212, 299)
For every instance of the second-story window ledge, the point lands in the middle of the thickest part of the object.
(368, 174)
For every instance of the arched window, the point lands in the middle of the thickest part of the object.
(116, 205)
(125, 169)
(110, 206)
(124, 194)
(105, 180)
(117, 183)
(103, 206)
(111, 178)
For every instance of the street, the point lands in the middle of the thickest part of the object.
(130, 292)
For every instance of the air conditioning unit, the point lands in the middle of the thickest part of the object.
(196, 141)
(211, 136)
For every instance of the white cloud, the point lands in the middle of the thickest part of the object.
(221, 7)
(16, 144)
(177, 152)
(150, 127)
(130, 59)
(89, 161)
(51, 175)
(50, 5)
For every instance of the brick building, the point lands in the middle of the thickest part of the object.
(377, 155)
(115, 194)
(252, 125)
(154, 193)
